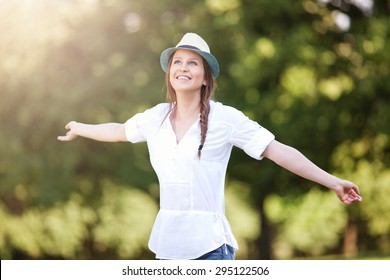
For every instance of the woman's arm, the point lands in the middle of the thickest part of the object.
(108, 132)
(294, 161)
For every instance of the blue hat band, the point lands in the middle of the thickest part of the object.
(189, 47)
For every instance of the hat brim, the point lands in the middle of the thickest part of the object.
(211, 60)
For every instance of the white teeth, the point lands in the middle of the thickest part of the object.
(182, 78)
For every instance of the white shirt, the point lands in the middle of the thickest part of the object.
(191, 220)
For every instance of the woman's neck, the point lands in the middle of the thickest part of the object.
(187, 105)
(184, 115)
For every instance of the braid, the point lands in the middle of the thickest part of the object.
(204, 119)
(206, 94)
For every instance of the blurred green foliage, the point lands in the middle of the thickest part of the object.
(315, 73)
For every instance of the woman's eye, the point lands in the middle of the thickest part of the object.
(193, 63)
(176, 62)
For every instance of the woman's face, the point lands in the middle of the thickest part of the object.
(187, 71)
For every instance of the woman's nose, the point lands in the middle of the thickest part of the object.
(184, 67)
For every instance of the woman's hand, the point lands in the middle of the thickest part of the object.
(347, 192)
(71, 134)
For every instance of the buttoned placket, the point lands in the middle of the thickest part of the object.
(180, 145)
(178, 150)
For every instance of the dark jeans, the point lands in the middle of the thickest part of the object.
(225, 252)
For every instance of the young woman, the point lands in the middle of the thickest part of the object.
(190, 139)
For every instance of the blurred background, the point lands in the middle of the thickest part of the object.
(314, 72)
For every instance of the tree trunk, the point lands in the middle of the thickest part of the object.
(350, 249)
(264, 240)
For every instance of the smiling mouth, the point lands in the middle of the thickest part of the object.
(184, 78)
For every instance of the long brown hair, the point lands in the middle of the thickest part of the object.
(206, 94)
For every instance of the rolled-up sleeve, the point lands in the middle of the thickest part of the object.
(142, 125)
(133, 133)
(250, 136)
(257, 145)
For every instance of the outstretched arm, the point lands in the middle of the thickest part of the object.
(108, 132)
(294, 161)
